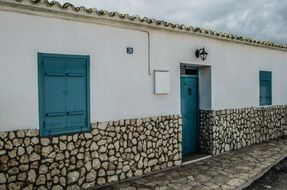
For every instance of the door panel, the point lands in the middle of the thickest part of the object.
(189, 109)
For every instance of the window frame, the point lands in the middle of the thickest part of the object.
(41, 57)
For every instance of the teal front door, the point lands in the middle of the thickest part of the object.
(63, 94)
(189, 110)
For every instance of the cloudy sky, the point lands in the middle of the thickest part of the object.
(259, 19)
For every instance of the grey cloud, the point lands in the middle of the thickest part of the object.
(264, 19)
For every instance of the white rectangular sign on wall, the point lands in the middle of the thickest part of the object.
(161, 82)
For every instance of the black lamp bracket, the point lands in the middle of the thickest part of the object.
(201, 53)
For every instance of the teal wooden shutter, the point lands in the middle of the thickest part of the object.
(265, 88)
(63, 94)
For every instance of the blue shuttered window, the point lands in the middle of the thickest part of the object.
(63, 94)
(265, 88)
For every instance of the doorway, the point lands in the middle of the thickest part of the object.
(189, 109)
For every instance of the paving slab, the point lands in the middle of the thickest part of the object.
(232, 170)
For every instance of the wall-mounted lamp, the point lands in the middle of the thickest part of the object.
(201, 53)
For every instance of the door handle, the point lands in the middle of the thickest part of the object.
(189, 91)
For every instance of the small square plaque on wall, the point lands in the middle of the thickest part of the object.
(161, 82)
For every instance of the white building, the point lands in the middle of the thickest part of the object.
(122, 96)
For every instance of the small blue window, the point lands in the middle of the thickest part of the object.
(63, 94)
(265, 88)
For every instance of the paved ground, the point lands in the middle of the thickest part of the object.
(275, 179)
(227, 171)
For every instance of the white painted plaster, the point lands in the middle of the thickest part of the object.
(120, 85)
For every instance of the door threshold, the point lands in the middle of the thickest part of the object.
(194, 158)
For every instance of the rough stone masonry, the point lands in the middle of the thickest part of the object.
(118, 150)
(111, 152)
(225, 130)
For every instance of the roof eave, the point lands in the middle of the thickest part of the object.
(70, 12)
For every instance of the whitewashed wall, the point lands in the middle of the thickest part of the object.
(120, 85)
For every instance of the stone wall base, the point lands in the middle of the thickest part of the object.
(112, 151)
(225, 130)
